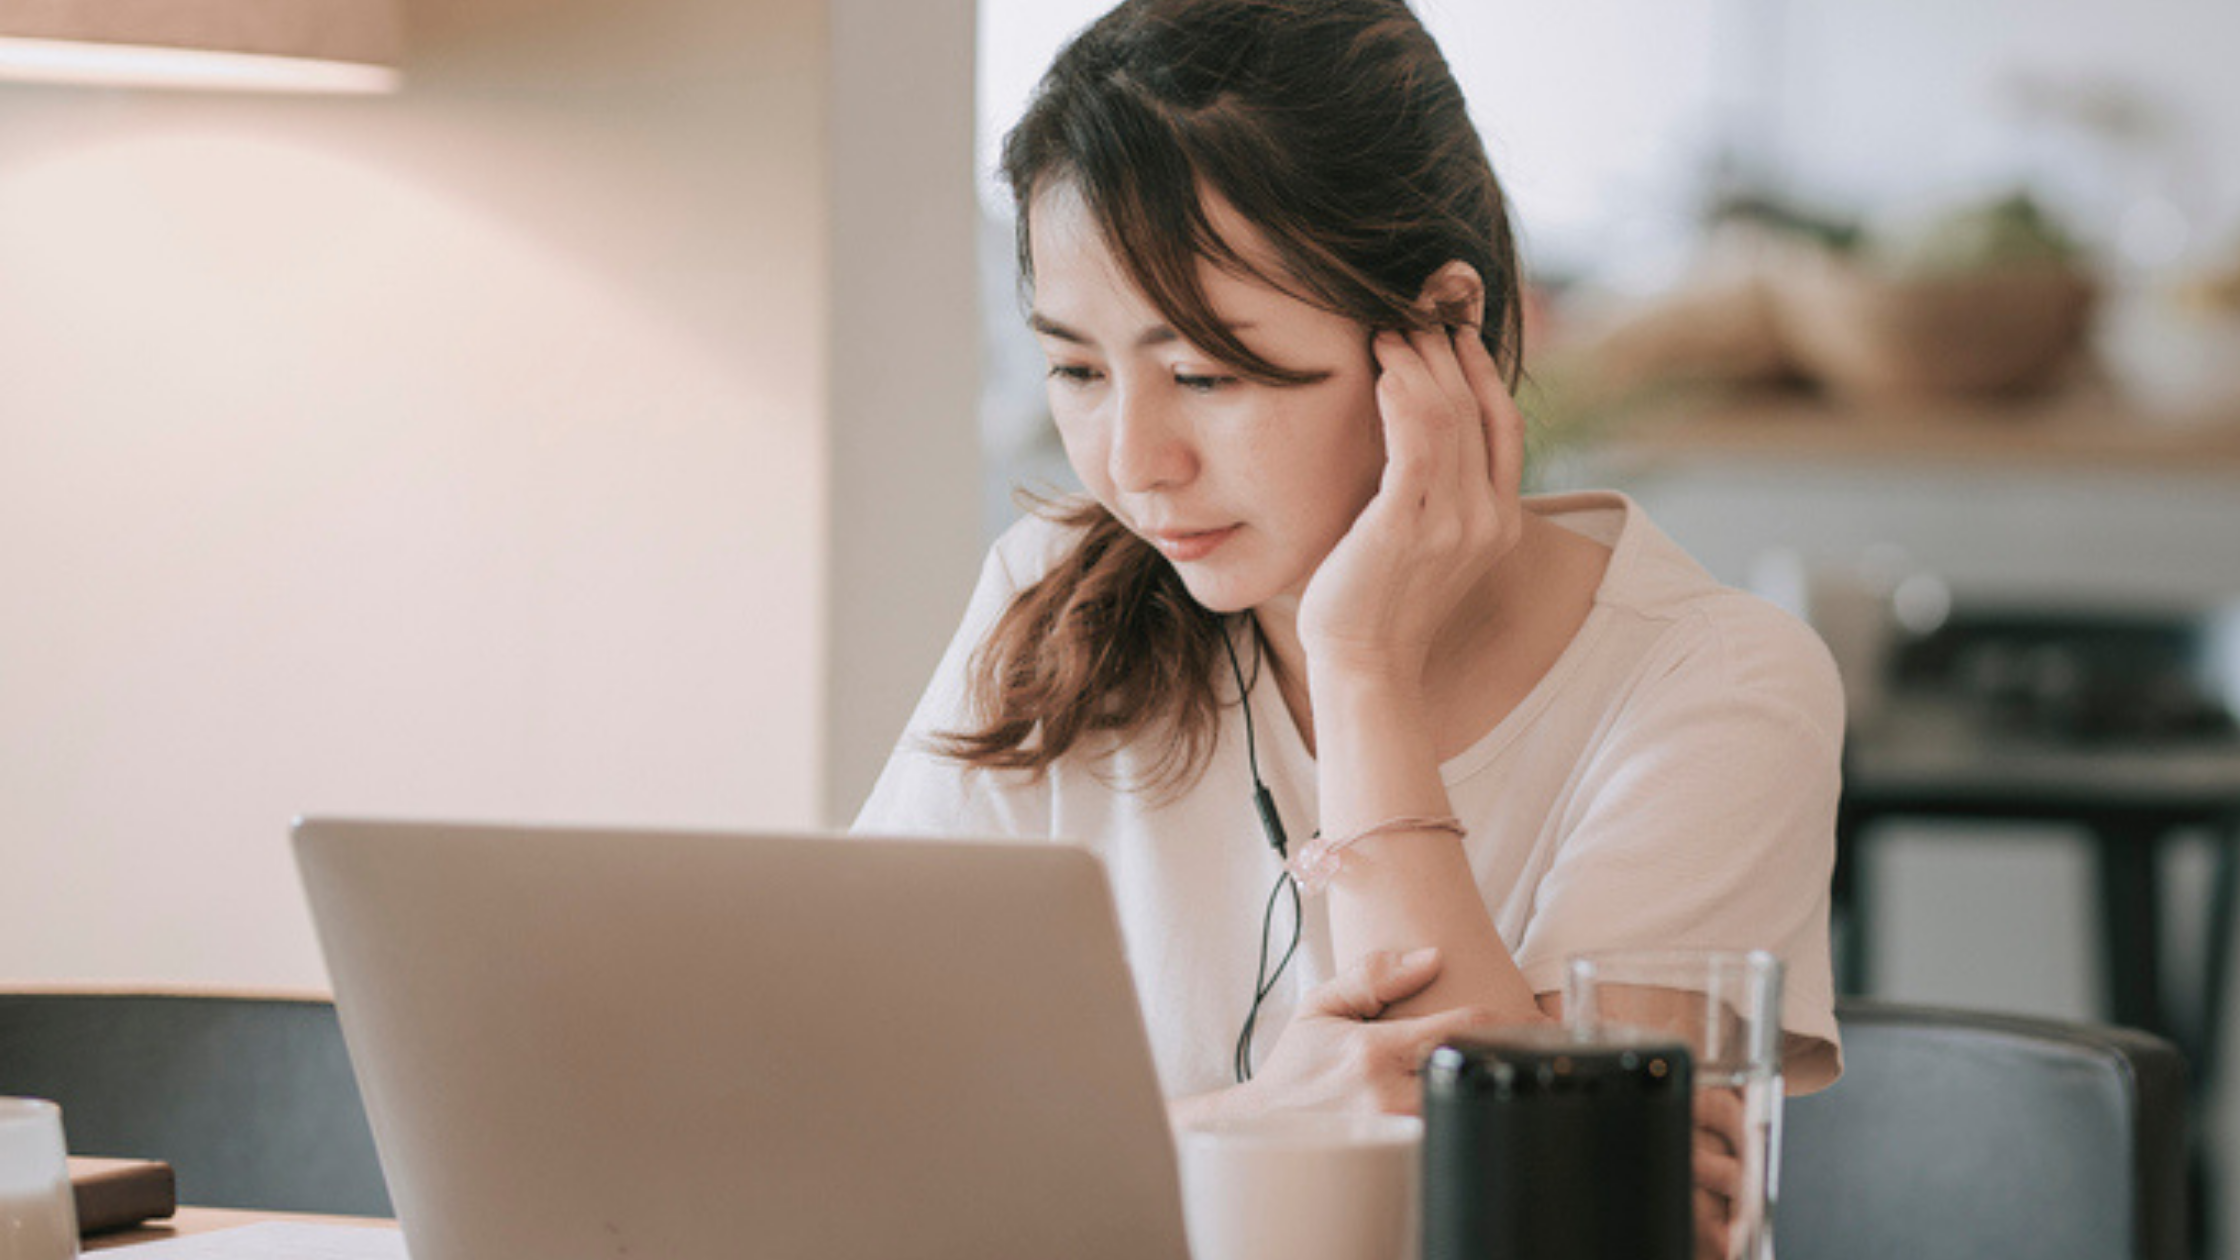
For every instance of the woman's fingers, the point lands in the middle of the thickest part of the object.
(1503, 419)
(1716, 1168)
(1403, 1047)
(1435, 346)
(1720, 1113)
(1435, 436)
(1376, 982)
(1406, 393)
(1714, 1222)
(1419, 1035)
(1462, 425)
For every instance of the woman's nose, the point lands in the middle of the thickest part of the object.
(1149, 448)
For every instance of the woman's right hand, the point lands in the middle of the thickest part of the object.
(1717, 1160)
(1338, 1055)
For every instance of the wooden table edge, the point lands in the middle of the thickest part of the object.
(203, 1220)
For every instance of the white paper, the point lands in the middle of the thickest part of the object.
(275, 1240)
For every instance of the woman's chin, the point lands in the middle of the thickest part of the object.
(1220, 592)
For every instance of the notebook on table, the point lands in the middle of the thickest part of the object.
(579, 1043)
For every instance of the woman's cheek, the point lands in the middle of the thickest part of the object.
(1077, 437)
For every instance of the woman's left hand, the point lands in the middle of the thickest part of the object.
(1447, 510)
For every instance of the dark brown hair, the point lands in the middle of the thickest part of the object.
(1335, 128)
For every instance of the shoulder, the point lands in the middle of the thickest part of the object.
(1734, 641)
(1029, 548)
(1695, 638)
(1021, 556)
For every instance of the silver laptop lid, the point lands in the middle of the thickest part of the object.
(578, 1043)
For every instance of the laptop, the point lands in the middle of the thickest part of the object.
(676, 1046)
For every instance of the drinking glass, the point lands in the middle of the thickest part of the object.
(1726, 1006)
(38, 1217)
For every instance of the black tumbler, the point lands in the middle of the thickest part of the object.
(1541, 1145)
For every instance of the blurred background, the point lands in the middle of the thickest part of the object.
(606, 424)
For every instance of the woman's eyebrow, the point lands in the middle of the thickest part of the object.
(1157, 335)
(1052, 328)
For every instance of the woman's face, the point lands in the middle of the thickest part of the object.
(1243, 486)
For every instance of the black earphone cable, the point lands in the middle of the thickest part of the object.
(1244, 701)
(1271, 824)
(1267, 985)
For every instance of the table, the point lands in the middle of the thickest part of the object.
(202, 1220)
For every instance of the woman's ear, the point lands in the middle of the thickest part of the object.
(1456, 293)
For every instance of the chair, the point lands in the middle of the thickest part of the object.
(250, 1099)
(1965, 1136)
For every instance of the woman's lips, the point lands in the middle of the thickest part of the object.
(1181, 546)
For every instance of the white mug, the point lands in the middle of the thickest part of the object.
(38, 1217)
(1303, 1185)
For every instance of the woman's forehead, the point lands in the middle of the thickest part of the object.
(1059, 208)
(1074, 260)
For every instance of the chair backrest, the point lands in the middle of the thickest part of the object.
(1962, 1135)
(250, 1099)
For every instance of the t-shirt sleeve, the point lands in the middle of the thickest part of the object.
(1707, 819)
(923, 792)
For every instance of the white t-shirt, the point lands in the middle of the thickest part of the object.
(1671, 783)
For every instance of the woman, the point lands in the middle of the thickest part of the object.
(1272, 272)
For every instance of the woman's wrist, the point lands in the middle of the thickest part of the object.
(1318, 861)
(1362, 675)
(1369, 695)
(1375, 752)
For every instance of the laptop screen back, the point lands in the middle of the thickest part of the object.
(578, 1043)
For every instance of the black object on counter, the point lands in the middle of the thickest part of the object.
(1539, 1145)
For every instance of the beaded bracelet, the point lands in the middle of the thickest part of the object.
(1317, 861)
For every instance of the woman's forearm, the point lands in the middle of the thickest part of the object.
(1404, 890)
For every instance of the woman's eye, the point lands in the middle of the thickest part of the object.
(1072, 373)
(1202, 384)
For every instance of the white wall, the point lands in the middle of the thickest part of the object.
(467, 452)
(905, 475)
(1894, 101)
